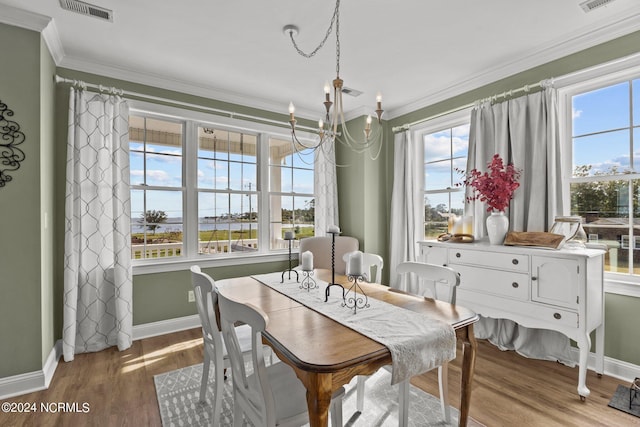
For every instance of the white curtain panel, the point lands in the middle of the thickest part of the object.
(407, 215)
(325, 186)
(523, 131)
(97, 270)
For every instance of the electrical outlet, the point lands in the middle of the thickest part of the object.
(191, 296)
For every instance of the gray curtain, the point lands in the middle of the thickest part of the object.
(407, 216)
(97, 300)
(524, 131)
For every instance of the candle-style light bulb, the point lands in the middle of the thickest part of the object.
(327, 91)
(379, 109)
(292, 110)
(368, 119)
(320, 124)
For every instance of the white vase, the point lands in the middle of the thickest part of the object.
(497, 227)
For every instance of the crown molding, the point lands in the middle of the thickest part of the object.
(52, 40)
(160, 82)
(35, 22)
(23, 19)
(617, 26)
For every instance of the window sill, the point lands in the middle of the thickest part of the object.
(144, 267)
(621, 285)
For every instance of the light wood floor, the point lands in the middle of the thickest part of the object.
(508, 390)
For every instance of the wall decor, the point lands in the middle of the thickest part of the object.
(10, 137)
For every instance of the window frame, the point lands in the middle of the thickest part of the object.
(437, 124)
(192, 120)
(594, 78)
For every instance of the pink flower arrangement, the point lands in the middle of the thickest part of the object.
(496, 186)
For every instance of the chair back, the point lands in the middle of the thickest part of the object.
(373, 265)
(320, 247)
(252, 392)
(204, 289)
(435, 281)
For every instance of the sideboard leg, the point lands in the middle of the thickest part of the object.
(584, 343)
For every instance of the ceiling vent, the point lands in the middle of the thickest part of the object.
(352, 92)
(87, 9)
(589, 5)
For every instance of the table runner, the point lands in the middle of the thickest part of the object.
(417, 342)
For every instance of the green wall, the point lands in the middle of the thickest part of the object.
(21, 264)
(31, 286)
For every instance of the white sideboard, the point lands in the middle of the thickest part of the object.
(561, 290)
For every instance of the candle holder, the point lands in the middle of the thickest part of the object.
(307, 281)
(290, 269)
(333, 268)
(355, 297)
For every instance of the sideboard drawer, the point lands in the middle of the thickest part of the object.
(553, 315)
(497, 260)
(503, 283)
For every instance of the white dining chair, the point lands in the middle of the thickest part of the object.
(266, 395)
(215, 351)
(437, 282)
(373, 265)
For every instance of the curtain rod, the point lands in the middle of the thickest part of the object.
(217, 111)
(506, 94)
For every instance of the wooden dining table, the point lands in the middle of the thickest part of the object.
(326, 354)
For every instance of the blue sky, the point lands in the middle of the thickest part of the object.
(605, 110)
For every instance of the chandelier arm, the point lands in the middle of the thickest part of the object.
(326, 36)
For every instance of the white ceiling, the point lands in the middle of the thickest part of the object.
(415, 52)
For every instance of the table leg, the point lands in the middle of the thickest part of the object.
(469, 346)
(318, 398)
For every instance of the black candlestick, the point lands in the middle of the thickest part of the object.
(333, 268)
(290, 269)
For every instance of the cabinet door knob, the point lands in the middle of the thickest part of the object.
(534, 278)
(514, 261)
(557, 315)
(458, 255)
(515, 284)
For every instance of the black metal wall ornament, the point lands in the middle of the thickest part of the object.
(10, 137)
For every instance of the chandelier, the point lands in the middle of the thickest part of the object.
(334, 117)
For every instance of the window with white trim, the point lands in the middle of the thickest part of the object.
(603, 165)
(446, 143)
(214, 189)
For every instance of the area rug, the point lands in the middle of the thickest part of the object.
(620, 400)
(178, 394)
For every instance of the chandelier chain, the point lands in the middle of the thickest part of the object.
(337, 14)
(326, 36)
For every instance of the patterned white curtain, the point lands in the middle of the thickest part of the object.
(523, 131)
(326, 189)
(407, 215)
(97, 271)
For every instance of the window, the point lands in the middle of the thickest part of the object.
(205, 187)
(157, 190)
(604, 181)
(227, 191)
(290, 191)
(445, 145)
